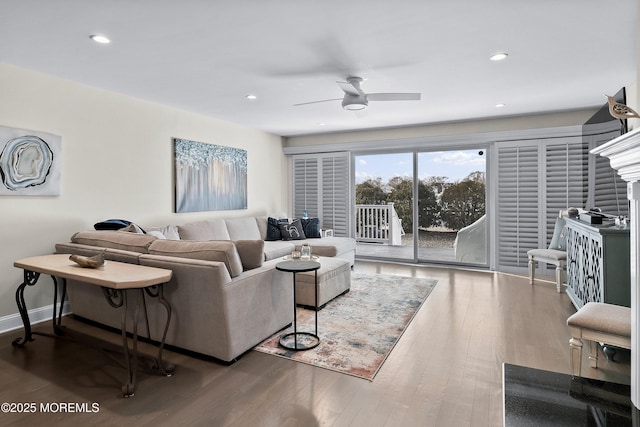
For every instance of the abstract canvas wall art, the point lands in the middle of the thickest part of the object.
(30, 163)
(209, 177)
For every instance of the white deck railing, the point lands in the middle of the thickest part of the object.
(378, 224)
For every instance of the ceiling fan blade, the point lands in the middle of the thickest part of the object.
(393, 96)
(316, 102)
(349, 88)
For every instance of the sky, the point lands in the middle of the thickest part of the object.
(455, 165)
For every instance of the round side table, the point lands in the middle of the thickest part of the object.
(300, 267)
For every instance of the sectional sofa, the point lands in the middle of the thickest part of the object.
(225, 292)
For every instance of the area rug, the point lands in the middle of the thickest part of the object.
(358, 330)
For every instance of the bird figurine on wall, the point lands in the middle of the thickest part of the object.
(621, 111)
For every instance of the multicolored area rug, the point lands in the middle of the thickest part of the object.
(358, 330)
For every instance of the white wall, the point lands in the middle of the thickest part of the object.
(116, 163)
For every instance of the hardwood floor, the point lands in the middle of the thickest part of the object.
(446, 370)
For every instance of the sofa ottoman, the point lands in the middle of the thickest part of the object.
(334, 279)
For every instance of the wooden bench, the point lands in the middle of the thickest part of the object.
(598, 323)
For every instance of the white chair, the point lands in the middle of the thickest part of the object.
(555, 254)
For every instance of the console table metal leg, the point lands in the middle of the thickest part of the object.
(30, 279)
(119, 298)
(57, 311)
(160, 366)
(128, 389)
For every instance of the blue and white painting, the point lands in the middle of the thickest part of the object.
(30, 163)
(209, 177)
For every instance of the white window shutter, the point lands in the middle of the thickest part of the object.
(537, 179)
(305, 186)
(321, 186)
(566, 179)
(336, 194)
(518, 204)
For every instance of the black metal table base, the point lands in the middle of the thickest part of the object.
(116, 298)
(300, 340)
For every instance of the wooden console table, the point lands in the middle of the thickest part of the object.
(598, 263)
(115, 278)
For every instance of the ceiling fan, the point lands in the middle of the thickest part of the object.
(356, 99)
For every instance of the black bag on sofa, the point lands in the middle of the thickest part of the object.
(113, 224)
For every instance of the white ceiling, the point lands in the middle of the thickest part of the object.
(204, 56)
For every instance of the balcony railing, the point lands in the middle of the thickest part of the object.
(378, 224)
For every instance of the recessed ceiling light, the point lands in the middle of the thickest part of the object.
(501, 105)
(498, 56)
(100, 39)
(251, 96)
(320, 124)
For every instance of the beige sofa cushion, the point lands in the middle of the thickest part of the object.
(213, 229)
(329, 246)
(243, 228)
(115, 240)
(262, 226)
(251, 253)
(277, 249)
(219, 250)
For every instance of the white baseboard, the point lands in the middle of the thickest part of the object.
(37, 315)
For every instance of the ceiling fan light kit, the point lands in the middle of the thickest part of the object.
(354, 102)
(499, 56)
(356, 99)
(100, 39)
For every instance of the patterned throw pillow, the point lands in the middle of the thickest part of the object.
(292, 231)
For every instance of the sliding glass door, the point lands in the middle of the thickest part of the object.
(451, 206)
(422, 206)
(384, 206)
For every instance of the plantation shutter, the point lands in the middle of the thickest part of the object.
(321, 185)
(518, 204)
(335, 194)
(536, 179)
(305, 187)
(566, 179)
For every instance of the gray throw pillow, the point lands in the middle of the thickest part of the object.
(311, 227)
